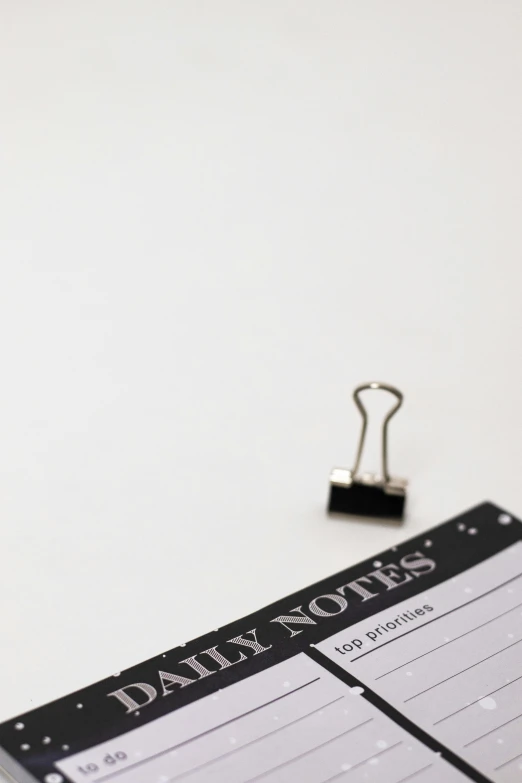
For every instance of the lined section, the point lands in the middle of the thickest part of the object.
(462, 671)
(260, 739)
(374, 758)
(313, 750)
(172, 748)
(450, 641)
(457, 672)
(295, 721)
(471, 703)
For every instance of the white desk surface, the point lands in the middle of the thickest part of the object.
(216, 220)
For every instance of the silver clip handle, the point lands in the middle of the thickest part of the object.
(356, 396)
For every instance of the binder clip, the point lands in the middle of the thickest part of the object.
(369, 494)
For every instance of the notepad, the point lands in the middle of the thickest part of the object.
(406, 667)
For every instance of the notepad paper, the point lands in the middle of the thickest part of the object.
(406, 667)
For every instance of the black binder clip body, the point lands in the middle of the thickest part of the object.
(369, 494)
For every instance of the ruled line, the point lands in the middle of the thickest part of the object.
(450, 641)
(414, 774)
(361, 763)
(477, 700)
(254, 741)
(450, 611)
(462, 671)
(202, 734)
(508, 762)
(471, 742)
(312, 750)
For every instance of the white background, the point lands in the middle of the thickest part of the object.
(217, 218)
